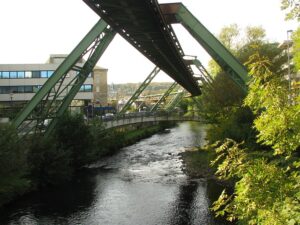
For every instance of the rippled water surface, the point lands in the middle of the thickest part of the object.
(141, 185)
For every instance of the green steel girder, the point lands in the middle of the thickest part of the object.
(175, 101)
(203, 71)
(52, 98)
(163, 98)
(83, 74)
(141, 88)
(142, 24)
(178, 13)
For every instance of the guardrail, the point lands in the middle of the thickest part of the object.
(134, 118)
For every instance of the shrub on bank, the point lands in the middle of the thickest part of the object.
(13, 180)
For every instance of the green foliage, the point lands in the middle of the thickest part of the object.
(73, 135)
(265, 193)
(48, 164)
(11, 151)
(278, 121)
(13, 165)
(296, 47)
(293, 9)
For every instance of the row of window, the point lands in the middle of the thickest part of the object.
(35, 88)
(28, 74)
(25, 74)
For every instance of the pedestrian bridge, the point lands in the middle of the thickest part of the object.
(125, 120)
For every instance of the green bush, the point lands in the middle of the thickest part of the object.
(48, 164)
(12, 164)
(73, 135)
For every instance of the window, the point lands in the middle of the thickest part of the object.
(50, 72)
(36, 74)
(20, 89)
(5, 75)
(28, 89)
(13, 89)
(28, 74)
(86, 88)
(82, 88)
(12, 74)
(20, 74)
(44, 74)
(0, 74)
(4, 90)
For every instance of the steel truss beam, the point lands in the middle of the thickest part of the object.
(163, 98)
(54, 97)
(205, 74)
(178, 13)
(175, 101)
(141, 88)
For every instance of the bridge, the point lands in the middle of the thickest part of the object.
(146, 25)
(136, 118)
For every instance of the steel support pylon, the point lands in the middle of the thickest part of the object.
(141, 88)
(163, 98)
(178, 13)
(51, 101)
(175, 101)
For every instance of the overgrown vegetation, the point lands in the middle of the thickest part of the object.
(256, 136)
(38, 162)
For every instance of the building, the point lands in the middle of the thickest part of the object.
(20, 82)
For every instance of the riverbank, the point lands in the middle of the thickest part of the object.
(197, 164)
(48, 164)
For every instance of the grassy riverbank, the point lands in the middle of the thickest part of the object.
(37, 162)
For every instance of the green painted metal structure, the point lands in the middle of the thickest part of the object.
(141, 88)
(142, 24)
(175, 101)
(164, 97)
(54, 97)
(178, 13)
(205, 74)
(147, 26)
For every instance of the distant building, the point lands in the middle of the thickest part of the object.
(20, 82)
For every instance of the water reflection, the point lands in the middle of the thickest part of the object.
(142, 185)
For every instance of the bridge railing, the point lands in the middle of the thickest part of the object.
(110, 121)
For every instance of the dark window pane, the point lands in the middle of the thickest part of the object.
(4, 90)
(0, 74)
(20, 89)
(36, 74)
(44, 74)
(13, 89)
(28, 89)
(21, 74)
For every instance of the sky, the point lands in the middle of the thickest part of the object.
(31, 30)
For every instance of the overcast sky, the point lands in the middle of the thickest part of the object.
(31, 30)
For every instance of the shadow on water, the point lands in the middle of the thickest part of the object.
(183, 206)
(61, 202)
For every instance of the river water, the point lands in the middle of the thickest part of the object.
(143, 184)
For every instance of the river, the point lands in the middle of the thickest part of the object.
(143, 184)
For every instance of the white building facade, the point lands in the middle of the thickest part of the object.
(20, 82)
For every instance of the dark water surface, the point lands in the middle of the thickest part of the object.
(141, 185)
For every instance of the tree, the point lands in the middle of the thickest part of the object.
(293, 9)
